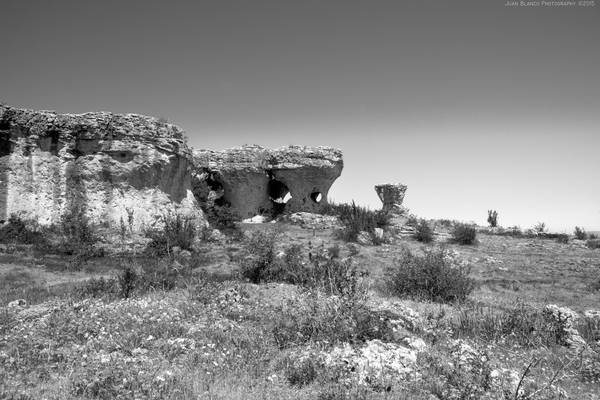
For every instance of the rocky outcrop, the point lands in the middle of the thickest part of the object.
(563, 321)
(253, 180)
(110, 167)
(133, 169)
(392, 196)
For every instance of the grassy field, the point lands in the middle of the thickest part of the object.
(192, 327)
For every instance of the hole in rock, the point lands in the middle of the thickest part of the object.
(4, 125)
(5, 146)
(122, 156)
(49, 142)
(278, 192)
(316, 196)
(279, 195)
(84, 147)
(216, 193)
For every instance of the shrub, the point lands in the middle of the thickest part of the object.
(177, 230)
(455, 372)
(323, 271)
(593, 243)
(432, 276)
(17, 231)
(333, 276)
(593, 236)
(77, 229)
(412, 220)
(98, 288)
(259, 264)
(513, 231)
(423, 232)
(302, 372)
(127, 280)
(290, 269)
(357, 219)
(520, 324)
(314, 316)
(492, 218)
(221, 217)
(562, 238)
(464, 234)
(540, 227)
(580, 233)
(73, 236)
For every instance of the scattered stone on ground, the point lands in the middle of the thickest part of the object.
(313, 221)
(565, 320)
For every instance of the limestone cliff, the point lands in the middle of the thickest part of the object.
(111, 167)
(254, 180)
(135, 169)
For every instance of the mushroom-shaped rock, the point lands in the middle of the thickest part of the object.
(392, 196)
(255, 180)
(109, 167)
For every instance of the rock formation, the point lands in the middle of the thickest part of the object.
(392, 196)
(135, 169)
(109, 167)
(254, 180)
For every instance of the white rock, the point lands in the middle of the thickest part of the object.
(257, 219)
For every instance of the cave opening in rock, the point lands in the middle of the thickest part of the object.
(316, 197)
(216, 193)
(49, 142)
(5, 146)
(279, 194)
(122, 156)
(53, 142)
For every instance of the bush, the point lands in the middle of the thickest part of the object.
(323, 271)
(464, 234)
(492, 218)
(314, 316)
(259, 264)
(177, 230)
(520, 324)
(221, 217)
(73, 236)
(412, 220)
(127, 281)
(17, 231)
(455, 372)
(580, 233)
(593, 243)
(540, 227)
(357, 219)
(98, 288)
(150, 275)
(76, 228)
(333, 276)
(423, 232)
(562, 238)
(432, 276)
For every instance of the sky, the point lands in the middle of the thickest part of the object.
(474, 105)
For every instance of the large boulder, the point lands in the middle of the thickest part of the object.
(110, 167)
(254, 180)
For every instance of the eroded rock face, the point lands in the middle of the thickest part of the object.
(254, 180)
(110, 167)
(392, 196)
